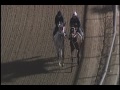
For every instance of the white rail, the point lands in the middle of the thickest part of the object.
(109, 57)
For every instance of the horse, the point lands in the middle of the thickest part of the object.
(76, 40)
(58, 38)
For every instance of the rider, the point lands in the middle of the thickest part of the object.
(75, 22)
(58, 19)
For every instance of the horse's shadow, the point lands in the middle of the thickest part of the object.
(27, 67)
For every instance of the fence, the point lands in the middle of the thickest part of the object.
(112, 45)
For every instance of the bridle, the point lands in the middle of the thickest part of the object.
(61, 25)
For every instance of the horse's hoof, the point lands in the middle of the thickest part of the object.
(61, 65)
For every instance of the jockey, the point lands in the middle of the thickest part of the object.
(75, 22)
(58, 19)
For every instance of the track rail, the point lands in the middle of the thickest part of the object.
(112, 46)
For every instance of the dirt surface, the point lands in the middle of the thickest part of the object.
(28, 55)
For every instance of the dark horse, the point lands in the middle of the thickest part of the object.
(76, 40)
(58, 38)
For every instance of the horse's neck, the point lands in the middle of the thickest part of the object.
(59, 38)
(59, 33)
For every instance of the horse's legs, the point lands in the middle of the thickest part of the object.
(58, 53)
(72, 49)
(60, 58)
(62, 54)
(57, 50)
(78, 51)
(61, 62)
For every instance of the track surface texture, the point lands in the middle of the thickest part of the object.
(28, 55)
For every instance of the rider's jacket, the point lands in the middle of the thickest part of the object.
(74, 22)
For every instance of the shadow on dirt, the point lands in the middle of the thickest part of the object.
(108, 34)
(26, 67)
(104, 9)
(78, 70)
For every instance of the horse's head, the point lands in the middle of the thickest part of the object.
(73, 32)
(75, 35)
(61, 28)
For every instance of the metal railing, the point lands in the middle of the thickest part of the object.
(112, 44)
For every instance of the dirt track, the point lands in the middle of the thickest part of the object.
(28, 53)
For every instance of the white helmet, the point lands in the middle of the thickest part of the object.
(75, 13)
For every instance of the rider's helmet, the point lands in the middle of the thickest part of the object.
(75, 14)
(59, 13)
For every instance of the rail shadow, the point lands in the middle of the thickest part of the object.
(26, 67)
(104, 9)
(107, 41)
